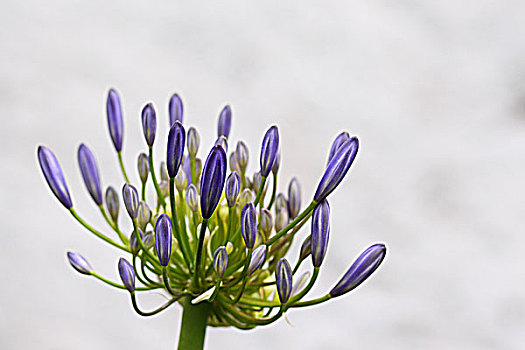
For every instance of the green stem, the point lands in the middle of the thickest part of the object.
(119, 286)
(154, 179)
(204, 225)
(98, 234)
(274, 192)
(292, 224)
(150, 313)
(121, 163)
(114, 226)
(193, 327)
(260, 191)
(175, 224)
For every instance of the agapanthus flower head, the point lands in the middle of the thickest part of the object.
(320, 232)
(89, 170)
(175, 109)
(360, 270)
(163, 238)
(225, 122)
(131, 199)
(127, 275)
(212, 181)
(54, 175)
(269, 150)
(115, 120)
(149, 123)
(175, 153)
(79, 263)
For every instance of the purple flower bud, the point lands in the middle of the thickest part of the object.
(149, 123)
(306, 248)
(192, 197)
(256, 183)
(180, 181)
(89, 171)
(233, 162)
(176, 140)
(225, 122)
(276, 163)
(266, 222)
(270, 147)
(360, 270)
(249, 224)
(112, 203)
(175, 109)
(320, 232)
(339, 140)
(257, 260)
(283, 279)
(163, 237)
(220, 261)
(54, 176)
(212, 181)
(233, 186)
(134, 243)
(193, 141)
(115, 120)
(127, 275)
(143, 215)
(294, 198)
(337, 168)
(281, 219)
(131, 200)
(223, 142)
(242, 155)
(280, 202)
(143, 167)
(79, 263)
(148, 239)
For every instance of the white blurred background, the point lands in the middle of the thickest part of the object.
(434, 89)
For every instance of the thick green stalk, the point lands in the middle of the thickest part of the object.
(193, 327)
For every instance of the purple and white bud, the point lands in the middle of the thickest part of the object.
(180, 181)
(175, 109)
(233, 186)
(127, 275)
(242, 155)
(192, 198)
(143, 215)
(233, 162)
(283, 279)
(249, 224)
(276, 163)
(112, 203)
(79, 263)
(115, 120)
(163, 238)
(54, 175)
(212, 181)
(175, 153)
(257, 260)
(220, 261)
(306, 248)
(294, 198)
(143, 167)
(337, 168)
(223, 142)
(134, 245)
(339, 140)
(269, 150)
(266, 222)
(281, 219)
(89, 170)
(149, 123)
(320, 232)
(360, 270)
(225, 122)
(131, 199)
(193, 140)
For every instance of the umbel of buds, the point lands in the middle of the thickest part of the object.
(199, 226)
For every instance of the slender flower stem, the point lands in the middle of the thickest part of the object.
(134, 261)
(305, 291)
(153, 258)
(193, 327)
(274, 191)
(230, 224)
(143, 191)
(154, 312)
(292, 224)
(243, 275)
(197, 264)
(154, 179)
(121, 163)
(114, 226)
(175, 224)
(120, 286)
(167, 281)
(97, 233)
(313, 301)
(260, 191)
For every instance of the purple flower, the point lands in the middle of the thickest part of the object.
(283, 279)
(269, 150)
(360, 270)
(339, 140)
(54, 176)
(175, 109)
(225, 122)
(257, 260)
(337, 168)
(320, 232)
(79, 263)
(277, 162)
(249, 224)
(143, 167)
(223, 142)
(149, 123)
(127, 275)
(115, 120)
(306, 248)
(131, 200)
(112, 203)
(176, 140)
(233, 186)
(192, 197)
(220, 261)
(89, 171)
(212, 181)
(294, 198)
(242, 155)
(163, 237)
